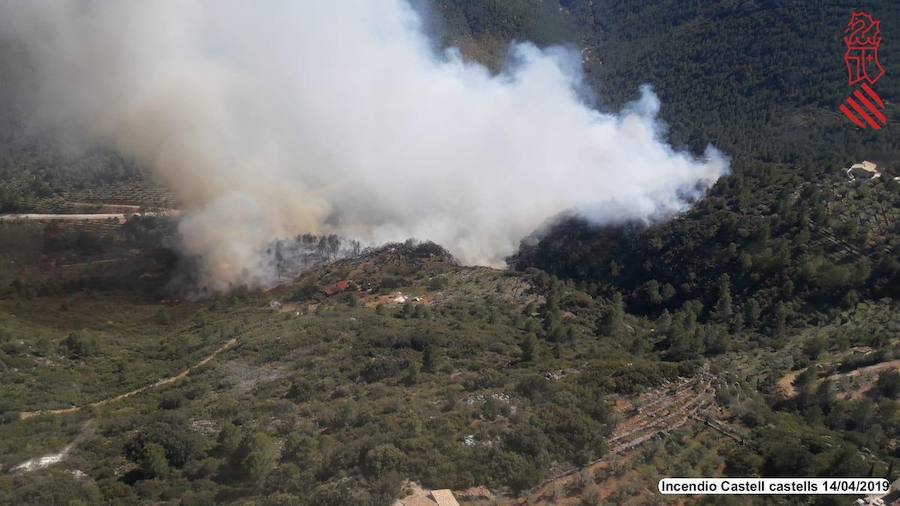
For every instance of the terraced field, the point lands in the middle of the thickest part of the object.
(650, 416)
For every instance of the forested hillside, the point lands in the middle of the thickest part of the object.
(784, 248)
(761, 80)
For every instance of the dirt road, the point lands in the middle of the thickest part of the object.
(786, 383)
(893, 364)
(120, 217)
(231, 343)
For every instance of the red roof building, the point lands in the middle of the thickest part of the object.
(340, 286)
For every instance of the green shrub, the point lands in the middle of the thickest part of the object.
(889, 384)
(171, 432)
(254, 458)
(381, 459)
(76, 345)
(438, 283)
(152, 461)
(380, 369)
(305, 292)
(393, 282)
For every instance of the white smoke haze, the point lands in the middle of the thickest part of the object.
(276, 118)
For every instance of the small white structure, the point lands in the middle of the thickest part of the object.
(419, 496)
(864, 170)
(444, 497)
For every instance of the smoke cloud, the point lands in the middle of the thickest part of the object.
(278, 118)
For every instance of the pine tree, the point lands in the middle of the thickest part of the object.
(737, 323)
(668, 291)
(664, 321)
(556, 333)
(228, 440)
(412, 373)
(152, 461)
(529, 347)
(611, 322)
(751, 313)
(722, 311)
(780, 321)
(255, 457)
(429, 360)
(689, 319)
(652, 290)
(614, 269)
(551, 310)
(571, 335)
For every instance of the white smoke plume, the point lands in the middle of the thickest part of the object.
(275, 118)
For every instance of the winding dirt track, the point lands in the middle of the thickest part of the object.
(231, 343)
(786, 383)
(893, 364)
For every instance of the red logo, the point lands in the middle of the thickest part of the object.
(862, 38)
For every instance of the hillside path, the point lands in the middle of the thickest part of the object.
(893, 364)
(231, 343)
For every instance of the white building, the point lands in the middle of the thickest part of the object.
(864, 170)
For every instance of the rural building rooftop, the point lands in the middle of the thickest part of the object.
(864, 170)
(441, 497)
(444, 497)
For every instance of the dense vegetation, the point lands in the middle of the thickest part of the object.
(342, 396)
(760, 80)
(472, 377)
(779, 288)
